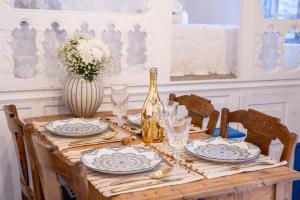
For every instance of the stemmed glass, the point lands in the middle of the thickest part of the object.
(169, 109)
(178, 130)
(119, 99)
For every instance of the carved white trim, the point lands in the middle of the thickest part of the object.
(252, 26)
(70, 21)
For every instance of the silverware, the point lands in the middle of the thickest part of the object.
(89, 143)
(237, 167)
(106, 136)
(155, 182)
(158, 174)
(265, 162)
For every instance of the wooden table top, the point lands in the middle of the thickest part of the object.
(199, 189)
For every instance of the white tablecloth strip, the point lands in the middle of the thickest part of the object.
(212, 169)
(63, 142)
(102, 181)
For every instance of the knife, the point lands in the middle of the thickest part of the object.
(156, 182)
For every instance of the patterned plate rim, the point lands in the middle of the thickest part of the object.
(224, 160)
(133, 122)
(121, 172)
(73, 135)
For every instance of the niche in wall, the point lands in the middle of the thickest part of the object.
(292, 49)
(126, 6)
(54, 37)
(24, 51)
(205, 45)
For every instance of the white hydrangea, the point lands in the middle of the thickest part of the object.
(92, 50)
(85, 56)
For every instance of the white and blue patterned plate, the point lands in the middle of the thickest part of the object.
(121, 159)
(135, 119)
(223, 150)
(76, 127)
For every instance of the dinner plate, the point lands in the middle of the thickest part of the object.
(76, 127)
(135, 119)
(223, 150)
(121, 159)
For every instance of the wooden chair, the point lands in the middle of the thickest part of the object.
(199, 108)
(52, 163)
(16, 127)
(261, 130)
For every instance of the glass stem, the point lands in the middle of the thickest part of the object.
(119, 120)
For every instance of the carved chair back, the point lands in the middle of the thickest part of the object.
(16, 127)
(199, 108)
(52, 163)
(261, 130)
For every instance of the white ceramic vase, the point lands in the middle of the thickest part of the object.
(82, 97)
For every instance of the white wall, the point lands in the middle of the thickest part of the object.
(212, 11)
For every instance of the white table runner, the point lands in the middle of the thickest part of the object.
(102, 181)
(212, 169)
(64, 142)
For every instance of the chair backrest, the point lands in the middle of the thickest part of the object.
(16, 127)
(261, 130)
(199, 108)
(51, 163)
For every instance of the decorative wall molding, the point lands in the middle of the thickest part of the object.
(139, 34)
(253, 25)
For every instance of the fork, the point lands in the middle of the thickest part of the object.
(158, 174)
(266, 162)
(105, 136)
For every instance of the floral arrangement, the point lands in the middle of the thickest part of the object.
(84, 56)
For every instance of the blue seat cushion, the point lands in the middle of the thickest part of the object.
(232, 133)
(296, 184)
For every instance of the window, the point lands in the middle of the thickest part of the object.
(281, 9)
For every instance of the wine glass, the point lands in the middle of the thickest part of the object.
(166, 110)
(177, 131)
(119, 99)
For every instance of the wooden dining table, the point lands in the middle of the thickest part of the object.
(273, 183)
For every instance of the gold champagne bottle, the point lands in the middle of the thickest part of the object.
(151, 130)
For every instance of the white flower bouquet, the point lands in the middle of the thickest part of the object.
(84, 56)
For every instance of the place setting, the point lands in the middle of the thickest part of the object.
(87, 132)
(132, 168)
(80, 132)
(212, 156)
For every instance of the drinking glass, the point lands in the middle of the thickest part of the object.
(169, 109)
(119, 99)
(177, 133)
